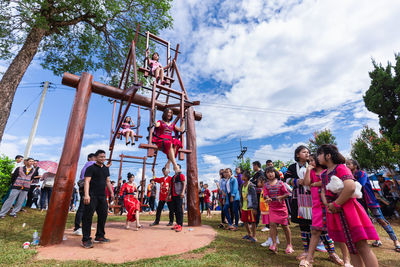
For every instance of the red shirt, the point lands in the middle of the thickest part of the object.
(207, 195)
(173, 185)
(165, 183)
(108, 194)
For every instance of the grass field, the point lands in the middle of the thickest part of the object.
(228, 249)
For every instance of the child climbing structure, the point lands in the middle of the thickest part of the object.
(127, 94)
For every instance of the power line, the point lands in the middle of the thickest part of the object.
(22, 113)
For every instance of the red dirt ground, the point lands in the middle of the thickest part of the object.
(130, 245)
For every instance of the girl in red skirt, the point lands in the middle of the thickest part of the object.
(164, 140)
(132, 204)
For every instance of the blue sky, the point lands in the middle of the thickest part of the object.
(267, 72)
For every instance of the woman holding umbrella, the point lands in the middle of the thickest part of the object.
(48, 181)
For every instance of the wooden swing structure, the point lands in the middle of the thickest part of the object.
(56, 217)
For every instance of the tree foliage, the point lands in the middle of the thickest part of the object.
(374, 151)
(80, 35)
(320, 138)
(245, 165)
(383, 97)
(73, 36)
(6, 166)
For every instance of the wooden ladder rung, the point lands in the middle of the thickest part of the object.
(147, 73)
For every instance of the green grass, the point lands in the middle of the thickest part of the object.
(228, 249)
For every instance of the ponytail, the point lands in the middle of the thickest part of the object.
(336, 157)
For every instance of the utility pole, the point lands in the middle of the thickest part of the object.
(36, 121)
(242, 151)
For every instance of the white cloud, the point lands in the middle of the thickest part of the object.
(284, 152)
(213, 162)
(43, 140)
(300, 57)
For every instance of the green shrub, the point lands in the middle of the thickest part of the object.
(6, 167)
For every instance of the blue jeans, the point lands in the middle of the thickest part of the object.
(235, 204)
(45, 195)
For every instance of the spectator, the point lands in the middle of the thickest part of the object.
(36, 195)
(259, 175)
(177, 194)
(34, 182)
(74, 198)
(21, 182)
(91, 159)
(201, 197)
(47, 188)
(97, 177)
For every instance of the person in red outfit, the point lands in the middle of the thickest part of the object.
(130, 193)
(177, 192)
(164, 140)
(165, 184)
(207, 195)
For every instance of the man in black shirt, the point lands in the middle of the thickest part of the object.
(257, 180)
(97, 177)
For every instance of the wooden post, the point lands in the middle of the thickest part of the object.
(56, 216)
(194, 217)
(181, 155)
(143, 182)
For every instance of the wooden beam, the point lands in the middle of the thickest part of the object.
(72, 80)
(155, 37)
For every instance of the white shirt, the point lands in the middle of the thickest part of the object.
(228, 186)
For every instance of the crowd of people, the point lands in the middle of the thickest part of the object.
(30, 185)
(316, 193)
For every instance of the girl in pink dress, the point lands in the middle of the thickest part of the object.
(318, 227)
(131, 203)
(164, 140)
(127, 131)
(156, 68)
(347, 221)
(275, 193)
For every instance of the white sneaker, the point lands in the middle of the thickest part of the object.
(265, 229)
(267, 243)
(78, 231)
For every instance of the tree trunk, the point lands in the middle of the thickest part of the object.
(13, 76)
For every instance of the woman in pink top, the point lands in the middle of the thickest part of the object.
(127, 131)
(346, 219)
(318, 227)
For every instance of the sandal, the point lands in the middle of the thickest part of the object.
(397, 248)
(336, 259)
(305, 263)
(273, 248)
(289, 249)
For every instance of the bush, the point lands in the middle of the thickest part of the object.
(6, 167)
